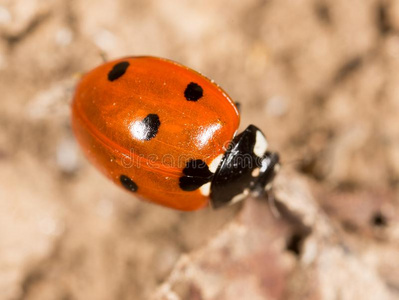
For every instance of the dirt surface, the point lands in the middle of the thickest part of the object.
(319, 77)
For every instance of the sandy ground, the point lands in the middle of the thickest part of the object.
(320, 77)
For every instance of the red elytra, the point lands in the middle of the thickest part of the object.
(155, 127)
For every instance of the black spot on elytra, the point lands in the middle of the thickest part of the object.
(197, 168)
(128, 184)
(151, 125)
(118, 70)
(193, 92)
(188, 183)
(196, 174)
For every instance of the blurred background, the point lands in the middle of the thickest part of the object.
(319, 77)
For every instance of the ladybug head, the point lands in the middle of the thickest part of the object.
(247, 168)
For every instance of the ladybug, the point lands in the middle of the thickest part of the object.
(169, 134)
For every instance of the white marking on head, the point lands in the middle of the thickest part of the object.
(206, 189)
(260, 144)
(215, 163)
